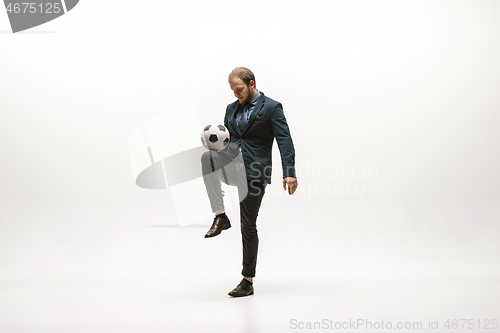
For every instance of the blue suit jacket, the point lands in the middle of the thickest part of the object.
(266, 122)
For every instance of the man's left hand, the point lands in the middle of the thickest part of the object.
(292, 184)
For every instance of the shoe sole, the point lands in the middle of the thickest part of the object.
(251, 293)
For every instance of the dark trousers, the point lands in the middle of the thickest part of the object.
(217, 167)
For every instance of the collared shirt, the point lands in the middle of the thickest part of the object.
(246, 109)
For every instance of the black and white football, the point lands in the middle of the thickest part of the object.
(215, 137)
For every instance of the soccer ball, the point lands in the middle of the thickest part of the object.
(215, 137)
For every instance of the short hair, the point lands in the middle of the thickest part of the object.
(244, 74)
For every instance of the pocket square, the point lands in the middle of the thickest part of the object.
(257, 116)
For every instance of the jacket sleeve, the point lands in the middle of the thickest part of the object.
(281, 132)
(226, 120)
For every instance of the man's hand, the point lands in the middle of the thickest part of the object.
(292, 184)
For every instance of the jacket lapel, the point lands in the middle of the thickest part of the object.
(256, 109)
(233, 118)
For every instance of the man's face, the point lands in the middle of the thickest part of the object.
(241, 91)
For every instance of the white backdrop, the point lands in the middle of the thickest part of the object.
(392, 105)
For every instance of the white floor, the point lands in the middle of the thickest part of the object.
(277, 306)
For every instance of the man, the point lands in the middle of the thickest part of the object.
(253, 121)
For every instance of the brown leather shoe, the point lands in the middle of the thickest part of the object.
(217, 227)
(245, 288)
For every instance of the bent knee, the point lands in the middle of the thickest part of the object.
(205, 157)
